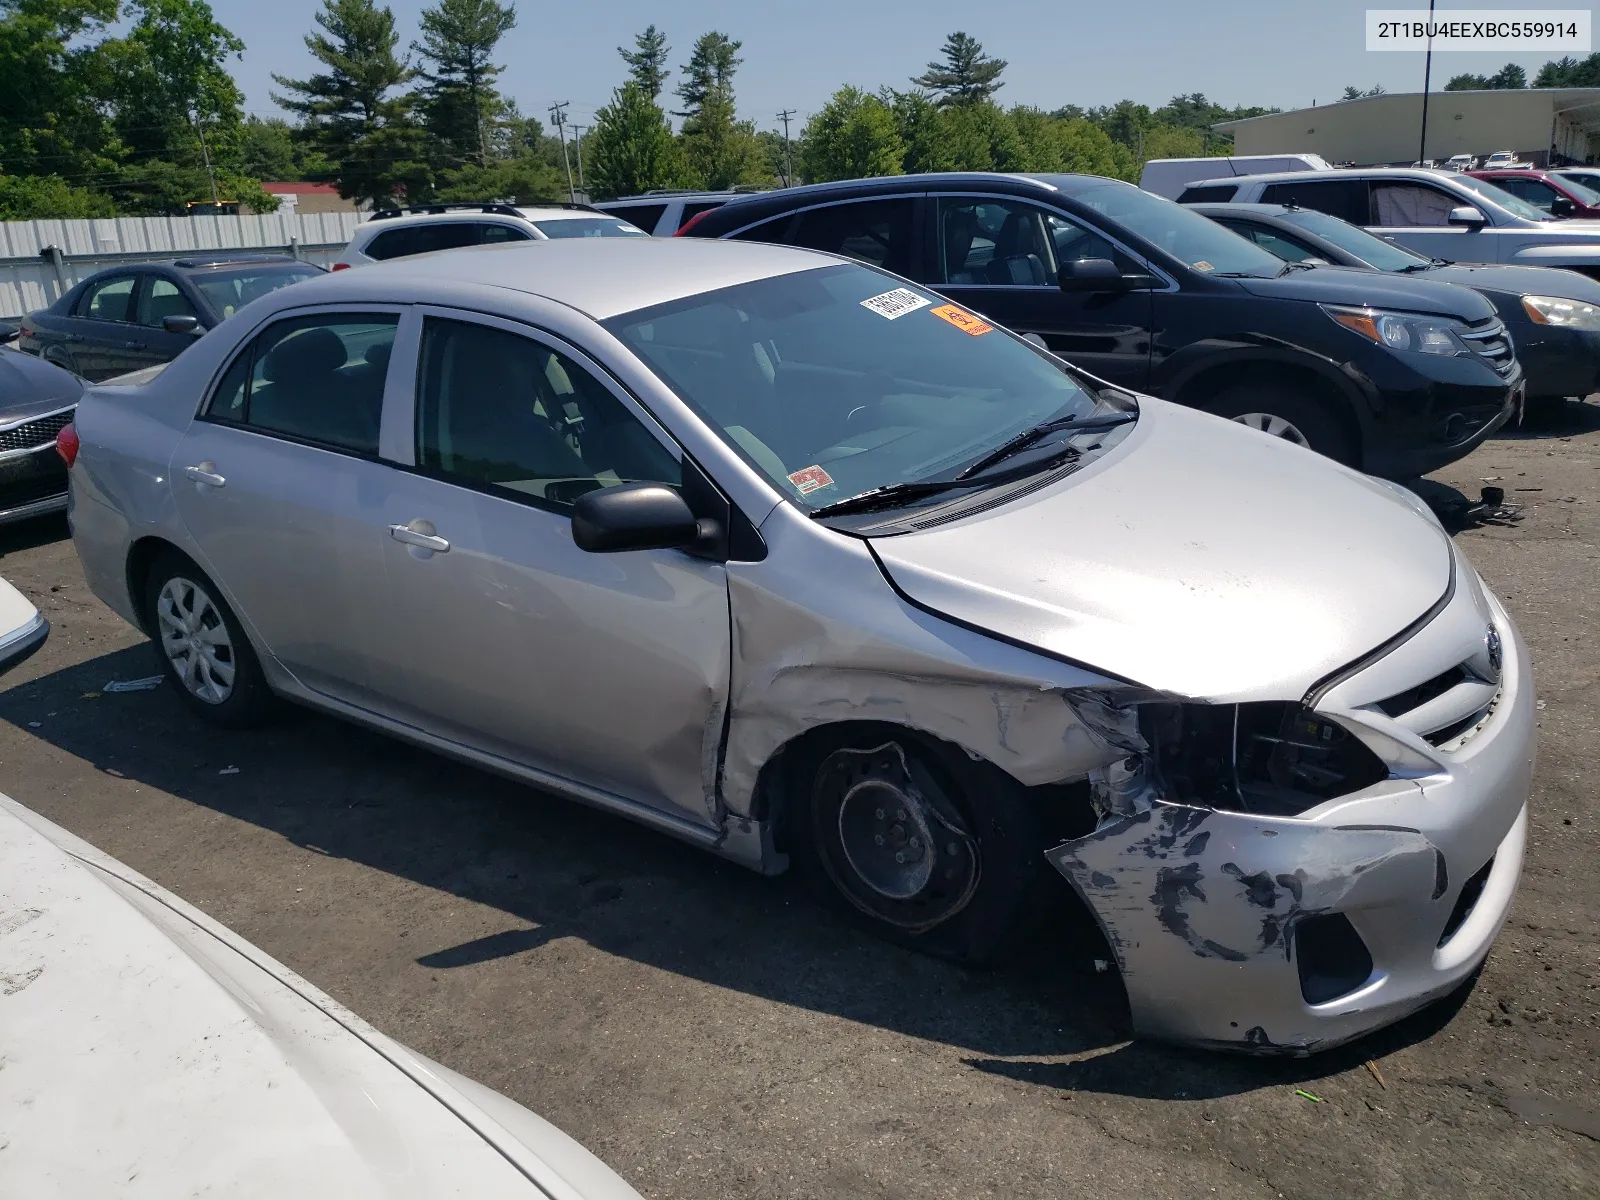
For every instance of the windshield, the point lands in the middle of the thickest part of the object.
(841, 379)
(1352, 239)
(575, 227)
(1514, 205)
(1186, 235)
(231, 289)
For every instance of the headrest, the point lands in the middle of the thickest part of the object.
(304, 356)
(377, 354)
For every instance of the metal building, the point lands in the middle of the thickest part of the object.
(1386, 129)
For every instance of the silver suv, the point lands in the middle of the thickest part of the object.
(398, 233)
(1436, 213)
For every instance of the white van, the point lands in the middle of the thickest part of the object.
(1169, 176)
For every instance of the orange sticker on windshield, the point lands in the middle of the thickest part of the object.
(809, 479)
(961, 319)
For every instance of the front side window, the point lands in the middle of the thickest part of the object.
(1411, 205)
(838, 379)
(1197, 242)
(316, 379)
(161, 298)
(109, 300)
(1514, 205)
(500, 409)
(874, 231)
(994, 242)
(1535, 191)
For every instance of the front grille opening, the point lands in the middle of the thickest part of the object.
(1455, 729)
(1402, 703)
(1268, 757)
(1471, 893)
(1333, 959)
(32, 435)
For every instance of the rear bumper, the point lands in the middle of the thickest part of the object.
(1207, 912)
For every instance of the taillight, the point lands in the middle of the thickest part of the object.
(67, 444)
(693, 221)
(341, 266)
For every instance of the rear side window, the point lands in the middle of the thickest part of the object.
(1342, 198)
(423, 239)
(691, 211)
(872, 231)
(495, 234)
(1216, 193)
(316, 379)
(775, 230)
(645, 216)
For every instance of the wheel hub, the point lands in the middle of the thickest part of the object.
(893, 842)
(1274, 426)
(195, 640)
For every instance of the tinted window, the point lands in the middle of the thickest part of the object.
(776, 230)
(839, 379)
(645, 216)
(495, 234)
(393, 243)
(423, 239)
(1398, 205)
(161, 298)
(1535, 191)
(498, 408)
(1503, 198)
(1582, 191)
(587, 227)
(691, 211)
(229, 289)
(1273, 242)
(1373, 251)
(1342, 198)
(994, 242)
(1181, 232)
(317, 378)
(1215, 193)
(874, 231)
(109, 300)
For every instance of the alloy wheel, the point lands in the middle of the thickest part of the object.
(195, 639)
(1274, 426)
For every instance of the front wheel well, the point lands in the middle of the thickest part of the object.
(1201, 390)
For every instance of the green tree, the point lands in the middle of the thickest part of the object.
(1569, 72)
(723, 151)
(1508, 77)
(631, 148)
(966, 76)
(49, 197)
(458, 97)
(854, 136)
(1355, 93)
(54, 86)
(1052, 143)
(647, 61)
(267, 149)
(353, 116)
(709, 70)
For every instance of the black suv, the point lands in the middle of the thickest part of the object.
(1398, 376)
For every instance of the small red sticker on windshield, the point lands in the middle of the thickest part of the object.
(809, 479)
(961, 319)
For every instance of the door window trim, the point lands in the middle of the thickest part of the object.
(1171, 284)
(407, 398)
(246, 347)
(796, 212)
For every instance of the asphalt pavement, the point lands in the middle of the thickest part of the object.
(711, 1034)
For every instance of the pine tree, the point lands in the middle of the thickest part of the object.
(710, 69)
(457, 68)
(351, 114)
(967, 75)
(647, 61)
(631, 148)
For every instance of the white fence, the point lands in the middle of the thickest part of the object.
(32, 277)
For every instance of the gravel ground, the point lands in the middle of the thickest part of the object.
(712, 1034)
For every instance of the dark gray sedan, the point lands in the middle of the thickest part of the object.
(1553, 314)
(36, 400)
(129, 317)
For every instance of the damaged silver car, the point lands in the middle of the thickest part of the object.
(796, 561)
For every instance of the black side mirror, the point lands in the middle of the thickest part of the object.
(181, 324)
(1091, 275)
(634, 516)
(1466, 214)
(1562, 206)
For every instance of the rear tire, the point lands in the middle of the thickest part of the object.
(968, 839)
(201, 647)
(1294, 416)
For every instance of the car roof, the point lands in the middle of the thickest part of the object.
(1419, 173)
(601, 277)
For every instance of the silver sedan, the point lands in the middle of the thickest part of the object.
(794, 560)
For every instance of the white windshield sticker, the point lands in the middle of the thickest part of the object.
(896, 303)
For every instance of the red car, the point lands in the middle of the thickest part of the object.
(1556, 196)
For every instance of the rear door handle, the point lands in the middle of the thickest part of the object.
(133, 345)
(206, 473)
(422, 539)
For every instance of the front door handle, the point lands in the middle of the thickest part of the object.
(420, 535)
(133, 345)
(206, 473)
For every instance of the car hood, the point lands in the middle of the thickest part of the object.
(1521, 281)
(149, 1051)
(1198, 558)
(30, 386)
(1375, 289)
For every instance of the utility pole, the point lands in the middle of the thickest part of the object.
(577, 142)
(788, 154)
(1427, 76)
(205, 155)
(558, 118)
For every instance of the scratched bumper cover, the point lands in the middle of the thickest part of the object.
(1201, 906)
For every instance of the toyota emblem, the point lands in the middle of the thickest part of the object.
(1491, 643)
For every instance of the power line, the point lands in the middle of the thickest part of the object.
(558, 118)
(788, 155)
(577, 141)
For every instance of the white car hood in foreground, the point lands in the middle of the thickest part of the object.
(1199, 558)
(146, 1051)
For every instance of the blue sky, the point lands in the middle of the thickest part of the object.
(795, 55)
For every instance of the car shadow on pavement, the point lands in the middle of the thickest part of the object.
(1568, 419)
(557, 869)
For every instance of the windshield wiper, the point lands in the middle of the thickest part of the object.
(1296, 266)
(888, 496)
(1430, 265)
(1037, 434)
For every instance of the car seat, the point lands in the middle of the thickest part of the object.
(1016, 253)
